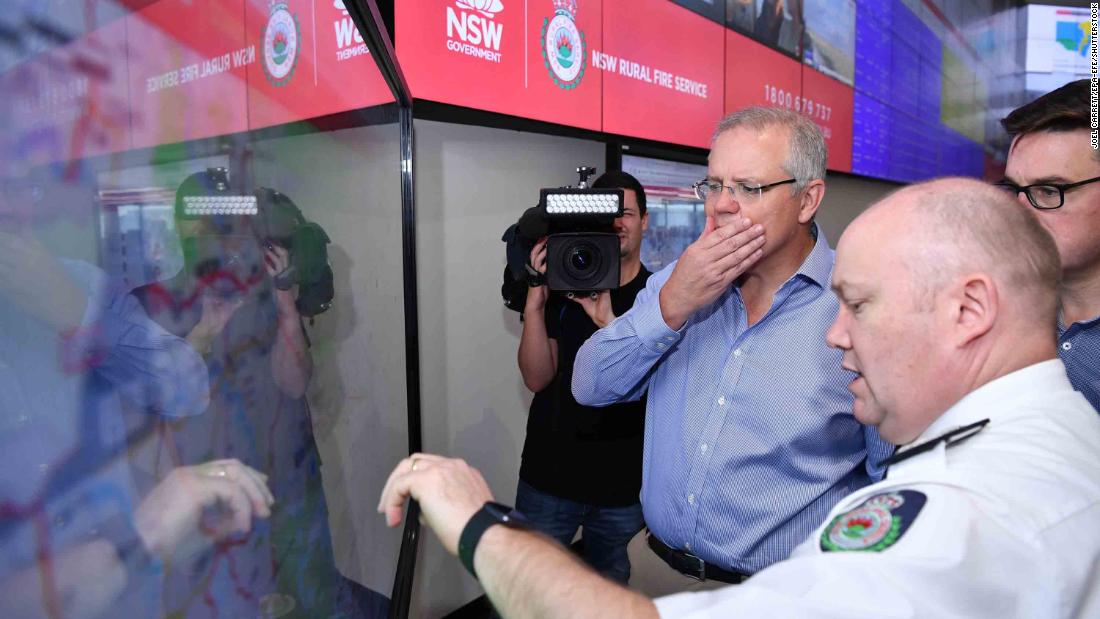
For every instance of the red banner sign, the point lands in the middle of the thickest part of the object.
(526, 58)
(181, 70)
(187, 82)
(829, 103)
(661, 81)
(658, 71)
(310, 60)
(757, 75)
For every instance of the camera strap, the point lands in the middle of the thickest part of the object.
(534, 278)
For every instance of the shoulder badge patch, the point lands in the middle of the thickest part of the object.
(877, 524)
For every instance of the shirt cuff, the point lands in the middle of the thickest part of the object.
(651, 327)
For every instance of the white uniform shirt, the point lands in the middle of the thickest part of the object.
(1010, 526)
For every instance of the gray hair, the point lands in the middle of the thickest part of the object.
(806, 153)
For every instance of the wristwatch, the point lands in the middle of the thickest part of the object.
(120, 532)
(491, 513)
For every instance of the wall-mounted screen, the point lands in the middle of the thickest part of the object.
(898, 87)
(1058, 42)
(179, 70)
(658, 83)
(676, 216)
(524, 58)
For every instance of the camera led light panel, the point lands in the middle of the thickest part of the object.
(198, 206)
(573, 202)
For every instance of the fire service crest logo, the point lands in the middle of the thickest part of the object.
(564, 50)
(281, 43)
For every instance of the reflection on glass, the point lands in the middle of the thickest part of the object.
(158, 449)
(75, 349)
(237, 301)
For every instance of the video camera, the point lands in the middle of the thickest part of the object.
(582, 248)
(224, 237)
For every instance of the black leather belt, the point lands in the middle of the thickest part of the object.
(692, 566)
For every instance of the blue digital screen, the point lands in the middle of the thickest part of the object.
(898, 128)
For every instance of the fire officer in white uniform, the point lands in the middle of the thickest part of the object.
(990, 508)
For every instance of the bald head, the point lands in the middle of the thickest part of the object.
(953, 226)
(950, 284)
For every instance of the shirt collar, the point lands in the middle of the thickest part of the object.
(818, 265)
(995, 400)
(996, 397)
(1080, 324)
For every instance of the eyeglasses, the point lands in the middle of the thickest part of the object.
(1044, 196)
(741, 192)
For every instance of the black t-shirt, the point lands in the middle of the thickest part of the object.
(581, 453)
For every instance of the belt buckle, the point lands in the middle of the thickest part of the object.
(700, 569)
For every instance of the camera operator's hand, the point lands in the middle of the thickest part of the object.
(708, 267)
(216, 313)
(196, 505)
(277, 260)
(537, 295)
(597, 306)
(538, 353)
(291, 362)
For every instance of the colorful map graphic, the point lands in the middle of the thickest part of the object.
(1074, 36)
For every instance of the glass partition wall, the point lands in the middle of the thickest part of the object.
(209, 337)
(204, 242)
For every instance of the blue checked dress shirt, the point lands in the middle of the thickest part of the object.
(749, 436)
(1079, 348)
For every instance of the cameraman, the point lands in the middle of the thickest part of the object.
(582, 466)
(250, 332)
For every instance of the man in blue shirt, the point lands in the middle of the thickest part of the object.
(749, 437)
(1053, 167)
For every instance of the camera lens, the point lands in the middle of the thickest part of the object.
(581, 258)
(582, 261)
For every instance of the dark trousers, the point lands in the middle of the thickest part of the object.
(606, 530)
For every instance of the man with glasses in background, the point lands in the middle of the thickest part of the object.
(749, 438)
(1053, 167)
